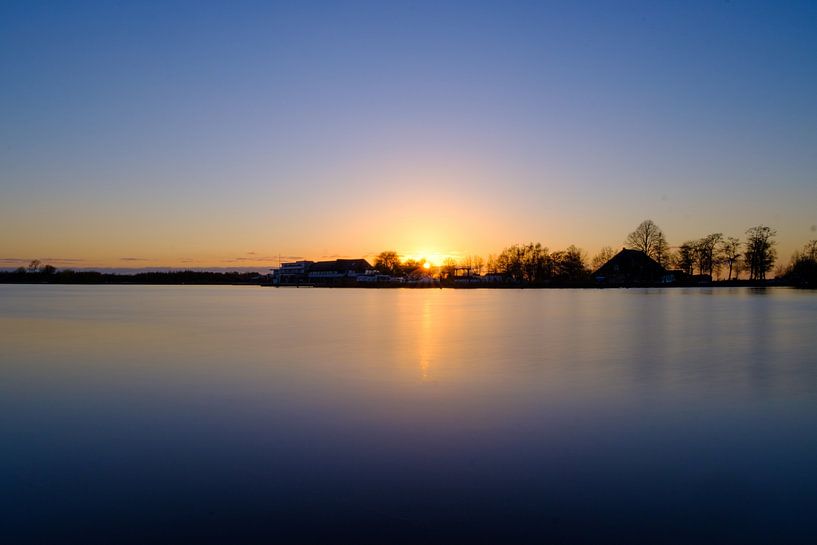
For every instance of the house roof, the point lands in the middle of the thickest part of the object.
(631, 266)
(338, 265)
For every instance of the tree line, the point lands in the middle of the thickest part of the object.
(532, 263)
(37, 272)
(802, 269)
(529, 263)
(710, 256)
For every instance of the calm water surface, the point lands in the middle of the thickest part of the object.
(246, 414)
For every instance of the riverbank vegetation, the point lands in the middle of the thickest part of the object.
(713, 257)
(36, 273)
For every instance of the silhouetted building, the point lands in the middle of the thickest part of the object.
(320, 272)
(292, 273)
(376, 277)
(632, 267)
(337, 270)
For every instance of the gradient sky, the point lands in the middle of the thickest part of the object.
(204, 135)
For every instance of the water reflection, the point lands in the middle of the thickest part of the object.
(218, 414)
(425, 341)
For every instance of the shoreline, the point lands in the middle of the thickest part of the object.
(437, 285)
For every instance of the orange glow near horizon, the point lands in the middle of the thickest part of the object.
(431, 259)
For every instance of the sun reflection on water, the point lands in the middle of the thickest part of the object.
(425, 341)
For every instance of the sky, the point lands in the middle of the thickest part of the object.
(235, 134)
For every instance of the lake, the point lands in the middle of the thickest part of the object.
(141, 414)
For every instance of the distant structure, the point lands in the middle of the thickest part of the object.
(632, 267)
(291, 273)
(339, 271)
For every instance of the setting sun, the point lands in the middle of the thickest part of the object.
(432, 258)
(426, 265)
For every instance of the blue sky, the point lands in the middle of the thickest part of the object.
(210, 134)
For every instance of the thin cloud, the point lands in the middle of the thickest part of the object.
(41, 259)
(254, 259)
(334, 256)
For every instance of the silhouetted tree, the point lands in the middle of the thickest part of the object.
(648, 238)
(810, 250)
(530, 263)
(388, 262)
(760, 252)
(34, 266)
(605, 254)
(730, 250)
(467, 265)
(570, 264)
(707, 252)
(413, 268)
(803, 267)
(685, 257)
(740, 266)
(510, 262)
(48, 269)
(449, 268)
(479, 264)
(537, 265)
(491, 266)
(661, 252)
(472, 264)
